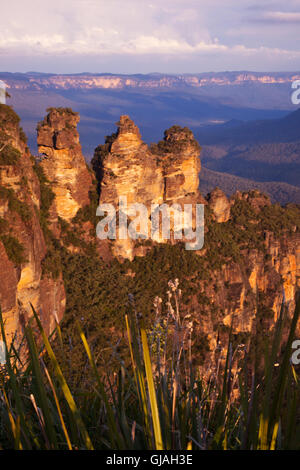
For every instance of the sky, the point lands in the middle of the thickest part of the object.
(137, 36)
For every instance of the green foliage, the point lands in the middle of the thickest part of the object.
(23, 136)
(97, 291)
(100, 154)
(280, 220)
(47, 196)
(14, 249)
(15, 205)
(51, 264)
(3, 226)
(88, 212)
(62, 111)
(158, 401)
(69, 126)
(9, 155)
(175, 141)
(8, 116)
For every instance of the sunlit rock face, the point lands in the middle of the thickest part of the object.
(22, 242)
(179, 157)
(220, 205)
(166, 172)
(163, 173)
(89, 81)
(63, 162)
(265, 277)
(129, 168)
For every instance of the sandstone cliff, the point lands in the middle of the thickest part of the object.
(164, 173)
(250, 261)
(252, 249)
(63, 163)
(252, 257)
(22, 242)
(100, 81)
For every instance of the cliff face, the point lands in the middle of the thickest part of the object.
(249, 294)
(250, 261)
(63, 163)
(86, 82)
(258, 271)
(129, 168)
(164, 173)
(178, 155)
(261, 265)
(22, 243)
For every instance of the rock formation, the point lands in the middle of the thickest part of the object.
(251, 256)
(178, 155)
(129, 168)
(22, 242)
(63, 163)
(164, 173)
(250, 292)
(219, 204)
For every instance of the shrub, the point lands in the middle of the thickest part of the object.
(3, 226)
(23, 136)
(14, 249)
(61, 111)
(8, 116)
(51, 264)
(9, 155)
(47, 196)
(15, 205)
(158, 400)
(88, 212)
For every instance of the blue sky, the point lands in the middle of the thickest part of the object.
(136, 36)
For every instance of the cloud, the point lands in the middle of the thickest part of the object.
(280, 17)
(99, 42)
(91, 26)
(174, 31)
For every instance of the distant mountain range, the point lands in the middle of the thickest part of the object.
(242, 88)
(155, 101)
(245, 121)
(264, 150)
(286, 129)
(283, 193)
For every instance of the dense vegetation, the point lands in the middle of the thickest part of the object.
(9, 155)
(14, 203)
(158, 401)
(97, 290)
(14, 249)
(8, 116)
(47, 196)
(283, 193)
(181, 407)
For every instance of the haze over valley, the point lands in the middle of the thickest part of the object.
(244, 121)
